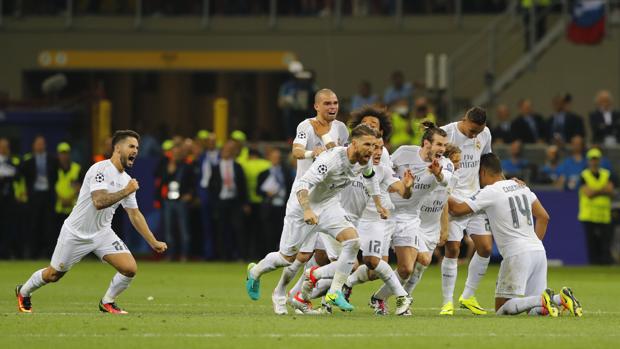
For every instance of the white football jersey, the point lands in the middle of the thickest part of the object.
(328, 176)
(85, 221)
(431, 209)
(408, 157)
(309, 139)
(471, 150)
(510, 206)
(356, 199)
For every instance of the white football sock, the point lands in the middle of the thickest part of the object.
(391, 280)
(477, 268)
(557, 300)
(537, 311)
(344, 264)
(518, 305)
(359, 276)
(118, 284)
(288, 273)
(449, 271)
(418, 270)
(271, 262)
(34, 283)
(385, 291)
(321, 288)
(297, 287)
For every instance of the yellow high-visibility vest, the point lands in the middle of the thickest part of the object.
(65, 189)
(19, 184)
(598, 208)
(528, 3)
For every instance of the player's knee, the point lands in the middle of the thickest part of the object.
(353, 244)
(321, 257)
(484, 250)
(302, 257)
(424, 259)
(129, 270)
(453, 249)
(52, 275)
(371, 262)
(404, 271)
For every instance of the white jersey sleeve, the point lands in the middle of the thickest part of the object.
(304, 130)
(371, 183)
(130, 201)
(481, 200)
(487, 139)
(97, 180)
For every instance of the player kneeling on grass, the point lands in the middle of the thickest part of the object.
(522, 280)
(88, 228)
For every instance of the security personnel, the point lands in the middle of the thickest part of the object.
(595, 193)
(243, 152)
(68, 183)
(11, 185)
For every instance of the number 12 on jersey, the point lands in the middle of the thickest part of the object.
(523, 207)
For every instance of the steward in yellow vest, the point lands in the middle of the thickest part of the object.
(595, 194)
(68, 183)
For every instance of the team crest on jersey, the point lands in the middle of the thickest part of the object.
(99, 177)
(477, 144)
(302, 135)
(322, 169)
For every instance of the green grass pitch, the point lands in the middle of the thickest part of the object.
(200, 305)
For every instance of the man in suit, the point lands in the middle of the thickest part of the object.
(40, 169)
(528, 127)
(228, 189)
(502, 132)
(274, 185)
(563, 124)
(604, 121)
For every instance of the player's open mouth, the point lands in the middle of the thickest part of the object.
(131, 158)
(332, 113)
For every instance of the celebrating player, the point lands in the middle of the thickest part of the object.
(88, 227)
(522, 280)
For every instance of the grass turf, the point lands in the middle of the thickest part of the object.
(205, 305)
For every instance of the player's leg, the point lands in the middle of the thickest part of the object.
(449, 264)
(479, 263)
(68, 251)
(422, 262)
(111, 249)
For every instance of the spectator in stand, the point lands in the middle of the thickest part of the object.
(9, 177)
(549, 172)
(422, 112)
(596, 190)
(228, 189)
(398, 90)
(502, 132)
(254, 227)
(516, 166)
(177, 178)
(209, 158)
(68, 185)
(364, 96)
(296, 100)
(570, 168)
(604, 121)
(563, 124)
(528, 127)
(274, 185)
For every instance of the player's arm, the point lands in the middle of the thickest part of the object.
(315, 174)
(542, 219)
(321, 128)
(441, 175)
(300, 152)
(103, 199)
(444, 221)
(404, 186)
(372, 186)
(304, 201)
(139, 222)
(458, 208)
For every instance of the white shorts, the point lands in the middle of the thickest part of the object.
(390, 225)
(373, 237)
(428, 242)
(70, 249)
(297, 234)
(331, 246)
(474, 224)
(524, 274)
(406, 233)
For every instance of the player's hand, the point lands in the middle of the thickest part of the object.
(435, 168)
(321, 128)
(310, 218)
(408, 178)
(317, 151)
(383, 212)
(132, 186)
(159, 246)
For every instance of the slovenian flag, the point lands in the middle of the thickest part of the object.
(588, 24)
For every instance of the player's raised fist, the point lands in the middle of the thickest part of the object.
(132, 186)
(310, 217)
(435, 167)
(408, 179)
(383, 212)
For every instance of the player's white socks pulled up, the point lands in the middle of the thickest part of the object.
(390, 278)
(359, 276)
(118, 284)
(418, 270)
(477, 268)
(518, 305)
(344, 264)
(34, 283)
(288, 273)
(449, 269)
(297, 287)
(271, 262)
(321, 288)
(386, 291)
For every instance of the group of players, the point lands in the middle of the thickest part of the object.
(350, 194)
(347, 198)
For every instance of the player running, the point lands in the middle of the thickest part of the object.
(88, 227)
(522, 280)
(318, 208)
(472, 136)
